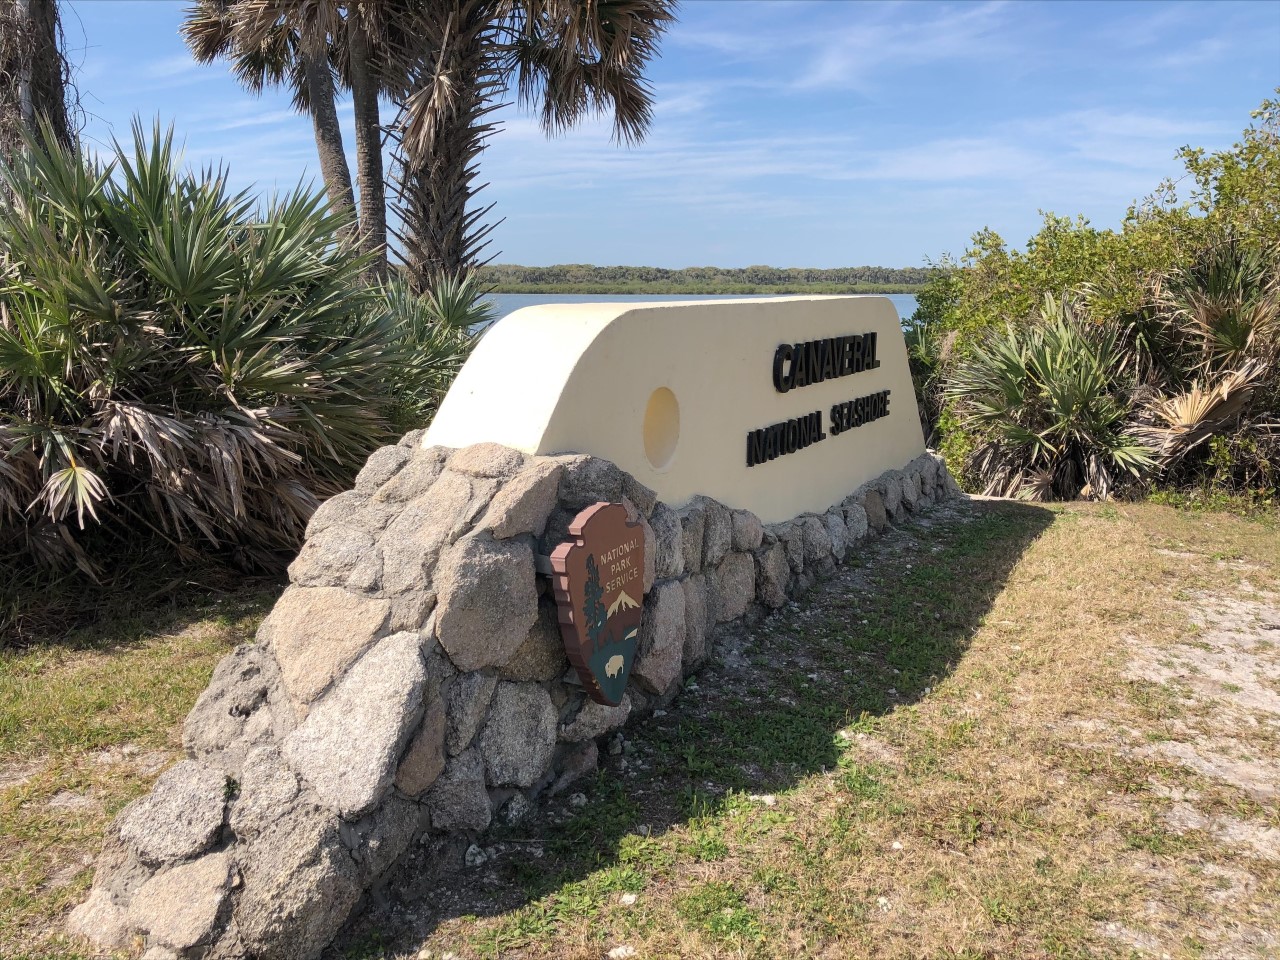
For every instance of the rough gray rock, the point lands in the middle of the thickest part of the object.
(587, 480)
(668, 542)
(873, 505)
(411, 611)
(317, 632)
(837, 531)
(911, 491)
(100, 920)
(119, 871)
(181, 908)
(580, 762)
(733, 586)
(267, 787)
(717, 532)
(414, 479)
(791, 536)
(519, 737)
(340, 508)
(890, 486)
(459, 800)
(855, 519)
(635, 491)
(300, 885)
(925, 467)
(693, 519)
(650, 542)
(525, 502)
(541, 657)
(486, 460)
(329, 558)
(413, 439)
(662, 638)
(595, 720)
(379, 839)
(469, 697)
(180, 818)
(383, 464)
(487, 601)
(817, 541)
(234, 713)
(348, 746)
(413, 540)
(773, 573)
(424, 760)
(697, 621)
(748, 531)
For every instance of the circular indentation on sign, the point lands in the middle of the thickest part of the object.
(661, 428)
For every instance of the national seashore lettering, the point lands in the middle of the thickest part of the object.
(814, 361)
(780, 439)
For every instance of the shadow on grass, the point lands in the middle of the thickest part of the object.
(763, 717)
(139, 592)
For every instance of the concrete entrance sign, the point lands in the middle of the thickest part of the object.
(466, 624)
(777, 406)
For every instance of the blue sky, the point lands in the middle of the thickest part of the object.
(788, 133)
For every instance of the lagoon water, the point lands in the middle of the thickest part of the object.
(904, 303)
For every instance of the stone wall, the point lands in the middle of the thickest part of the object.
(412, 679)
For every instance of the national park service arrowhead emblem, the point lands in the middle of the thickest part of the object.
(599, 589)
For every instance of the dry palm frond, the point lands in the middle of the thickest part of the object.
(1182, 422)
(217, 373)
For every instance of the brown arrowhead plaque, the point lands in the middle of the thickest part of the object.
(599, 589)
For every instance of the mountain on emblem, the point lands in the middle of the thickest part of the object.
(624, 602)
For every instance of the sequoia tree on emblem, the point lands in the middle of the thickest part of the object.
(599, 589)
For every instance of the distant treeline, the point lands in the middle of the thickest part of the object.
(585, 278)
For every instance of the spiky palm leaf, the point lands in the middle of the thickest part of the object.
(1049, 404)
(1225, 307)
(174, 362)
(1182, 422)
(564, 58)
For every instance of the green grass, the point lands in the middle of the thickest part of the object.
(924, 758)
(91, 721)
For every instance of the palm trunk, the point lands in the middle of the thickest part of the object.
(435, 183)
(34, 74)
(47, 71)
(369, 175)
(324, 119)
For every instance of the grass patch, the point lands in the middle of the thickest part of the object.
(87, 725)
(942, 752)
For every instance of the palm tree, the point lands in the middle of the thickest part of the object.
(564, 58)
(272, 42)
(448, 64)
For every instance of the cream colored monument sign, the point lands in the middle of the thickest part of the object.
(778, 406)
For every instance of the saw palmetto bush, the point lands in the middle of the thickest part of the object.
(1222, 327)
(436, 331)
(178, 366)
(1047, 405)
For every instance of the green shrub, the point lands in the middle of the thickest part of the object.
(1172, 347)
(1047, 404)
(437, 331)
(179, 367)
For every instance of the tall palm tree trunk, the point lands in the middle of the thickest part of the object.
(442, 130)
(369, 173)
(324, 121)
(32, 74)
